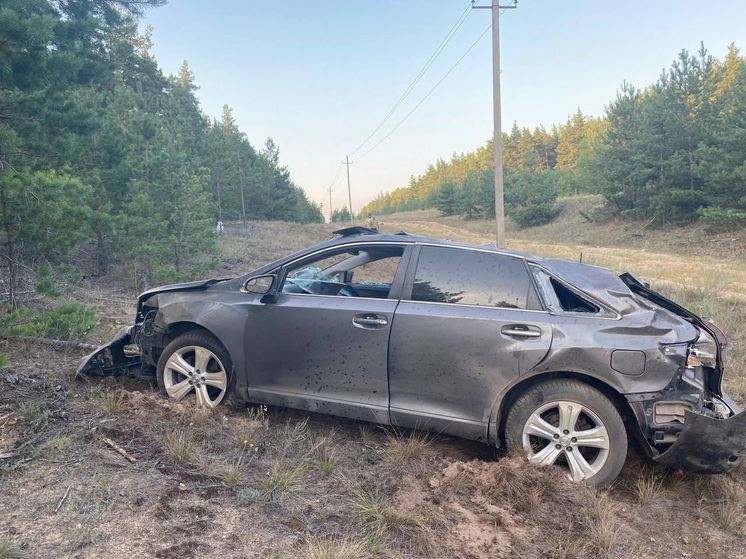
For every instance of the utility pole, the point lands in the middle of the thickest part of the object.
(497, 147)
(349, 192)
(331, 211)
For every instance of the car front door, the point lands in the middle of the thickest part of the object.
(323, 345)
(469, 323)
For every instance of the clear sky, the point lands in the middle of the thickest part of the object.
(319, 75)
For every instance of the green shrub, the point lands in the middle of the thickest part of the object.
(70, 321)
(45, 283)
(722, 219)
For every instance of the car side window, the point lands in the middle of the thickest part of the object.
(364, 271)
(473, 277)
(559, 298)
(378, 272)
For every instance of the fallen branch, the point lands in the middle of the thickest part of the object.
(63, 499)
(52, 342)
(119, 449)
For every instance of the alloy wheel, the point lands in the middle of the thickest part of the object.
(567, 434)
(195, 369)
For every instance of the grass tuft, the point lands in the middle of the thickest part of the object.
(114, 401)
(180, 446)
(283, 477)
(365, 431)
(729, 516)
(324, 455)
(232, 475)
(336, 548)
(727, 495)
(603, 527)
(647, 486)
(401, 448)
(382, 518)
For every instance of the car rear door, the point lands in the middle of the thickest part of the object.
(325, 352)
(469, 323)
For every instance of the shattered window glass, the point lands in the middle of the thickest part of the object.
(360, 271)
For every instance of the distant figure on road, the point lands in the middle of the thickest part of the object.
(372, 222)
(220, 227)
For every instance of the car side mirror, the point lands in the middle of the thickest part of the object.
(270, 295)
(260, 285)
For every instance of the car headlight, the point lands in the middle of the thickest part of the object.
(703, 352)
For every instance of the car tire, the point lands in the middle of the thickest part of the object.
(569, 423)
(206, 383)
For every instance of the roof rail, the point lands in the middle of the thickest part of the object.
(354, 230)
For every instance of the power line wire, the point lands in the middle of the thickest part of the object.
(441, 80)
(418, 77)
(336, 177)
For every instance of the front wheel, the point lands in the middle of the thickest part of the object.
(195, 367)
(570, 424)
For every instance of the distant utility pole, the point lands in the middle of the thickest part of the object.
(349, 192)
(331, 211)
(497, 139)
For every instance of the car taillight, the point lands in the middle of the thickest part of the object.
(719, 334)
(703, 352)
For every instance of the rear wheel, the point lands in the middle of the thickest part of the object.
(570, 424)
(195, 367)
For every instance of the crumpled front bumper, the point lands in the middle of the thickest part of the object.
(707, 444)
(111, 358)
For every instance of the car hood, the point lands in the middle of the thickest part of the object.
(186, 286)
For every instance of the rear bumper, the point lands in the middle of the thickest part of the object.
(705, 442)
(708, 444)
(111, 358)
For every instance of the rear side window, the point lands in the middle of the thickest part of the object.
(559, 298)
(471, 277)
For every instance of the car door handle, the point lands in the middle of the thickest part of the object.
(521, 331)
(369, 321)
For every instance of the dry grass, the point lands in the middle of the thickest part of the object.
(729, 516)
(58, 444)
(365, 430)
(232, 476)
(295, 433)
(603, 526)
(647, 486)
(723, 499)
(402, 447)
(114, 402)
(324, 454)
(382, 518)
(10, 550)
(282, 478)
(180, 446)
(341, 547)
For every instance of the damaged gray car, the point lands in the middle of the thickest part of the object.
(560, 360)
